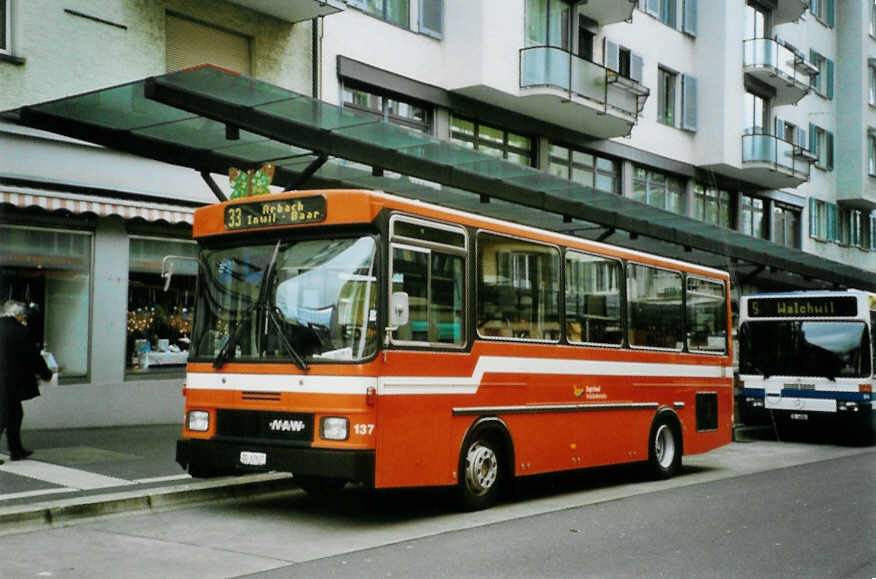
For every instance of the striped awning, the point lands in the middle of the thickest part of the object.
(100, 207)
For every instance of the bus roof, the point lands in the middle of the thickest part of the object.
(351, 206)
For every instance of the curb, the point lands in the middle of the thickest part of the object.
(65, 512)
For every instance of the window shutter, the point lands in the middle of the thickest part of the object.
(801, 138)
(831, 19)
(611, 55)
(189, 43)
(652, 7)
(689, 22)
(780, 128)
(832, 229)
(813, 218)
(829, 144)
(688, 103)
(432, 17)
(636, 66)
(829, 80)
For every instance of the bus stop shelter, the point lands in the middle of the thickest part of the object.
(210, 120)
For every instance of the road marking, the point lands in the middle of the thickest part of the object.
(63, 476)
(162, 478)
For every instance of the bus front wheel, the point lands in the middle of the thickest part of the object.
(664, 449)
(481, 473)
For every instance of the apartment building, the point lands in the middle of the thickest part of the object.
(752, 118)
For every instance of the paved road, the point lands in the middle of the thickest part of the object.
(733, 512)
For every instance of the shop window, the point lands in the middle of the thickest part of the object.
(751, 219)
(658, 189)
(390, 109)
(712, 205)
(518, 289)
(159, 321)
(52, 270)
(786, 226)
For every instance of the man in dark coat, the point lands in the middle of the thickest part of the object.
(20, 363)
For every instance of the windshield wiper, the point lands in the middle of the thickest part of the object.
(296, 357)
(224, 353)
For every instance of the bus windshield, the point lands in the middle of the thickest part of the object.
(798, 348)
(312, 300)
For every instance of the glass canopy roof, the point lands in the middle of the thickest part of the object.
(210, 119)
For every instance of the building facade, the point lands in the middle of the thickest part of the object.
(753, 116)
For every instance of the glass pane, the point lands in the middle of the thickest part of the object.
(654, 307)
(462, 126)
(593, 311)
(446, 306)
(398, 12)
(583, 158)
(559, 170)
(519, 141)
(536, 22)
(410, 274)
(518, 289)
(582, 176)
(559, 152)
(606, 183)
(706, 316)
(490, 134)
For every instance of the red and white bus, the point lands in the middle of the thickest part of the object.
(348, 335)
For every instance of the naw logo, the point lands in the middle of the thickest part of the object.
(285, 425)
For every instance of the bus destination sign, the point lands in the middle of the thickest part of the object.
(275, 212)
(803, 307)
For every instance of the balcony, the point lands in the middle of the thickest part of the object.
(604, 12)
(789, 10)
(773, 162)
(594, 99)
(297, 11)
(778, 66)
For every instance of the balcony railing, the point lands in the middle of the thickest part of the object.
(550, 66)
(780, 154)
(778, 66)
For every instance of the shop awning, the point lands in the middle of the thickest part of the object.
(210, 119)
(79, 204)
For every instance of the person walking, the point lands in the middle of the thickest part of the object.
(20, 363)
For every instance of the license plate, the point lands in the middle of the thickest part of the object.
(253, 458)
(799, 416)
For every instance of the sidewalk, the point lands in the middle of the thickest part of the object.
(85, 473)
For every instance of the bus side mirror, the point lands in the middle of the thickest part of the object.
(398, 309)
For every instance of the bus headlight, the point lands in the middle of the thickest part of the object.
(847, 406)
(334, 428)
(754, 402)
(198, 420)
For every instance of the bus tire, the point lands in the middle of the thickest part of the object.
(482, 472)
(319, 487)
(664, 447)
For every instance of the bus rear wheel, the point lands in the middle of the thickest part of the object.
(664, 449)
(482, 474)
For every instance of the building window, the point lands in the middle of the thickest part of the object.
(821, 145)
(751, 219)
(823, 222)
(393, 11)
(712, 205)
(492, 141)
(5, 27)
(756, 21)
(390, 109)
(873, 19)
(658, 189)
(52, 269)
(663, 10)
(786, 226)
(585, 168)
(851, 227)
(432, 17)
(189, 43)
(757, 114)
(821, 83)
(872, 92)
(159, 322)
(667, 81)
(871, 154)
(823, 10)
(548, 23)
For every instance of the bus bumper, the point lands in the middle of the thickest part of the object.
(214, 458)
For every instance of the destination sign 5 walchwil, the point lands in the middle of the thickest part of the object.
(272, 213)
(803, 307)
